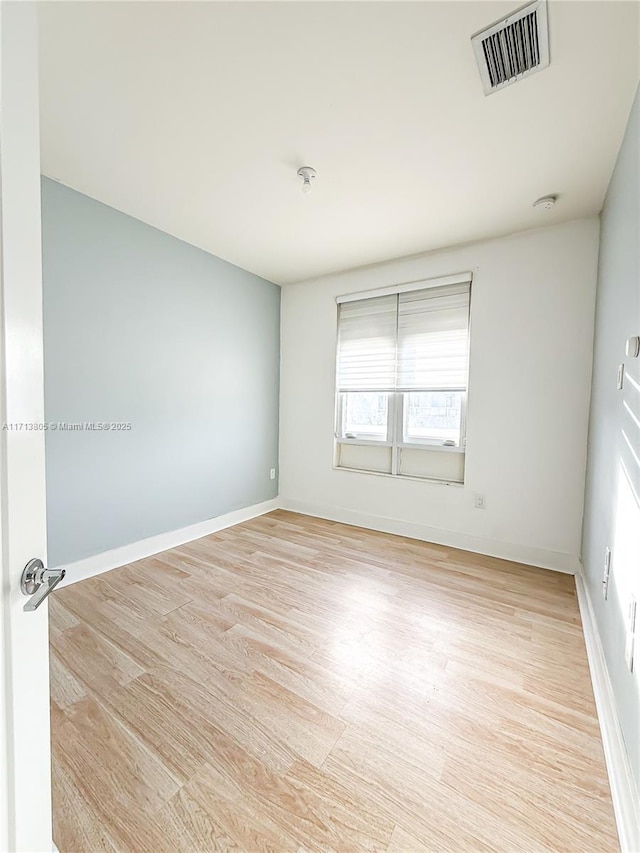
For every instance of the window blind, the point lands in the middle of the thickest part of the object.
(433, 339)
(407, 341)
(367, 344)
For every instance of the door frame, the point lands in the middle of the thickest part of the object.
(25, 751)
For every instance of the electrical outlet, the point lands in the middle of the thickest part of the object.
(620, 377)
(479, 501)
(629, 646)
(272, 474)
(606, 573)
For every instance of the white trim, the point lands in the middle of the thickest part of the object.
(25, 748)
(530, 555)
(624, 793)
(425, 445)
(104, 562)
(421, 284)
(458, 484)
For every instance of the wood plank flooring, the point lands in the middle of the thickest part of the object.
(292, 684)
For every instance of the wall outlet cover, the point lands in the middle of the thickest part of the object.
(479, 501)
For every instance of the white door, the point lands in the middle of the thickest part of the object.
(25, 786)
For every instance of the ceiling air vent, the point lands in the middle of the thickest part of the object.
(513, 48)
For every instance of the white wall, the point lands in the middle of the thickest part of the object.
(531, 341)
(612, 505)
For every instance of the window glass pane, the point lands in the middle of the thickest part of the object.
(432, 416)
(364, 415)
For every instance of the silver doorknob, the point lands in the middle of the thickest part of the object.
(39, 582)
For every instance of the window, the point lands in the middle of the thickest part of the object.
(433, 416)
(365, 415)
(402, 380)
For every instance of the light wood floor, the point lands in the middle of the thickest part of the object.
(291, 684)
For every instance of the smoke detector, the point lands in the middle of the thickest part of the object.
(513, 48)
(546, 202)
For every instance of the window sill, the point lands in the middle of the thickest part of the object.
(433, 480)
(440, 448)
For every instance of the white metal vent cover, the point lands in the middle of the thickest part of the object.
(514, 47)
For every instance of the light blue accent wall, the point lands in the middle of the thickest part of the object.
(142, 328)
(612, 501)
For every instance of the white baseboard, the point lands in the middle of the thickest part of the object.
(532, 556)
(107, 560)
(99, 563)
(624, 793)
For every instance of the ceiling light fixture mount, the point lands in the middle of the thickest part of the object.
(307, 174)
(546, 202)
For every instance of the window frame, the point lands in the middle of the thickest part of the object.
(435, 443)
(397, 400)
(362, 440)
(395, 432)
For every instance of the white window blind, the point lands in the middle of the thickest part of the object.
(433, 339)
(367, 344)
(408, 341)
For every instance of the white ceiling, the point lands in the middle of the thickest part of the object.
(194, 117)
